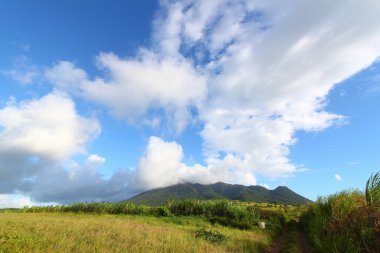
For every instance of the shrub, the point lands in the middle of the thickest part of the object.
(244, 225)
(211, 236)
(160, 211)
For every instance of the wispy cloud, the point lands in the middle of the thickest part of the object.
(23, 71)
(373, 85)
(338, 177)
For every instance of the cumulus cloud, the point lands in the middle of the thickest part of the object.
(135, 88)
(48, 127)
(268, 73)
(36, 138)
(254, 73)
(164, 161)
(257, 72)
(65, 76)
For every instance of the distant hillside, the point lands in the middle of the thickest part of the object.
(281, 194)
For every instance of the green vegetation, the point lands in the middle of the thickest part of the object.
(209, 235)
(288, 212)
(68, 232)
(258, 194)
(223, 212)
(186, 226)
(176, 226)
(347, 221)
(227, 213)
(291, 244)
(101, 208)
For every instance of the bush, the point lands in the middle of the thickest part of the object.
(244, 225)
(211, 236)
(212, 208)
(160, 211)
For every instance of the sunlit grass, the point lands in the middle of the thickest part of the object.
(65, 232)
(348, 221)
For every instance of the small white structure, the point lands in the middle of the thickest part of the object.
(262, 224)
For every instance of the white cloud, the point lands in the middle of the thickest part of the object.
(256, 72)
(163, 165)
(95, 160)
(269, 74)
(338, 177)
(48, 127)
(37, 137)
(133, 88)
(65, 76)
(14, 201)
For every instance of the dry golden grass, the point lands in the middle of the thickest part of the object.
(47, 232)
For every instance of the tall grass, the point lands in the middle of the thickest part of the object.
(347, 221)
(223, 212)
(372, 194)
(100, 208)
(211, 208)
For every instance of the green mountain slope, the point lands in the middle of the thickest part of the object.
(281, 194)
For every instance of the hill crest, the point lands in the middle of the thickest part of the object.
(219, 190)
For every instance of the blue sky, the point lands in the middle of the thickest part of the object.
(101, 100)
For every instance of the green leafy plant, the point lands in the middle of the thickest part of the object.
(211, 236)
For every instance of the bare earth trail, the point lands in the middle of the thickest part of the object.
(277, 245)
(304, 243)
(302, 240)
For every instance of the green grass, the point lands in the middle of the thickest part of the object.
(68, 232)
(348, 221)
(291, 244)
(178, 226)
(223, 212)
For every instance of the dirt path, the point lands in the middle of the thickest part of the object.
(304, 243)
(278, 244)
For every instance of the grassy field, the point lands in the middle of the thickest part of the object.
(68, 232)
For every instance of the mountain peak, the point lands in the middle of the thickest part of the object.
(219, 190)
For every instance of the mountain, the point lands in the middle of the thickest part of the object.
(253, 193)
